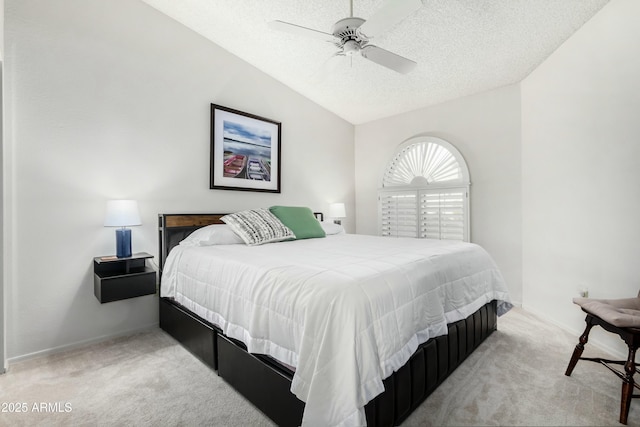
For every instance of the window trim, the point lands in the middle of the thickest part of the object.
(462, 184)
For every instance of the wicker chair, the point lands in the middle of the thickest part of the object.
(621, 317)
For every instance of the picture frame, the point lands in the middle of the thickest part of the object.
(245, 151)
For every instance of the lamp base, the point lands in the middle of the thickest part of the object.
(123, 243)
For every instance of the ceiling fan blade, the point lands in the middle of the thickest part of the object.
(392, 12)
(301, 31)
(388, 59)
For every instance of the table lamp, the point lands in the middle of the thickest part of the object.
(337, 210)
(122, 213)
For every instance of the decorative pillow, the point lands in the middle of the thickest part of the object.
(331, 227)
(258, 226)
(300, 220)
(216, 234)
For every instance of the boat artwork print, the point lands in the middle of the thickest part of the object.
(247, 152)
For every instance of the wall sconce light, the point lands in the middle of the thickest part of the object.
(122, 213)
(337, 211)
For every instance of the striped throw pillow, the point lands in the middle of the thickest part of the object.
(258, 226)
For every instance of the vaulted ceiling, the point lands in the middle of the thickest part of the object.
(461, 47)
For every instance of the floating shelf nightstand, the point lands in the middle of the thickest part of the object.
(116, 279)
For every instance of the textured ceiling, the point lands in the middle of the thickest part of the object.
(462, 47)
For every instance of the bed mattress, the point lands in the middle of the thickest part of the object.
(345, 311)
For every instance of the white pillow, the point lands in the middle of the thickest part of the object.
(216, 234)
(330, 227)
(258, 226)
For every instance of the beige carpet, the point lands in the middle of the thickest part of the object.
(515, 378)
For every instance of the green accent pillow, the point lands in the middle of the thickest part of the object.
(300, 220)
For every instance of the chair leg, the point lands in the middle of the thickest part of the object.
(577, 352)
(627, 385)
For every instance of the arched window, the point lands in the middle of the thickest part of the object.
(425, 192)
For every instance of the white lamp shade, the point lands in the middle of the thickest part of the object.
(337, 210)
(122, 213)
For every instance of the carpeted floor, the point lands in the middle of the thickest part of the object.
(515, 378)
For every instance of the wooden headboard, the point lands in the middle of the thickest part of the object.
(173, 228)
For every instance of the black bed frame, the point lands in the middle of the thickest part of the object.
(266, 383)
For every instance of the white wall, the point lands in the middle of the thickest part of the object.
(485, 128)
(580, 151)
(2, 299)
(1, 30)
(110, 99)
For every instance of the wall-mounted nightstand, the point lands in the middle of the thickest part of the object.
(121, 278)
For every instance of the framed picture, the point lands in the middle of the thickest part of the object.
(245, 151)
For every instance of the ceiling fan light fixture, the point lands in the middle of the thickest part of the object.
(351, 47)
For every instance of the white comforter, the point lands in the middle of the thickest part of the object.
(345, 311)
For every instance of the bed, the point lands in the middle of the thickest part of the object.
(344, 330)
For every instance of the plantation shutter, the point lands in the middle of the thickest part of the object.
(425, 192)
(429, 214)
(442, 214)
(399, 214)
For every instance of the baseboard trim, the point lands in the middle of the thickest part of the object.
(577, 332)
(76, 345)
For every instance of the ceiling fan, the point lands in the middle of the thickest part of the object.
(351, 35)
